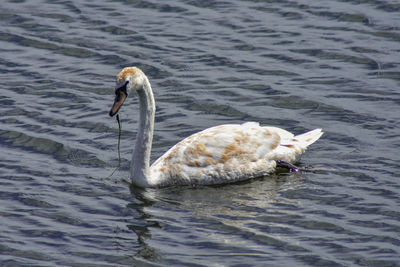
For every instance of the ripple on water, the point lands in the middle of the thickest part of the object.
(292, 64)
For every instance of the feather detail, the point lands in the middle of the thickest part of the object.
(225, 153)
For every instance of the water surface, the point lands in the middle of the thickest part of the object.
(297, 65)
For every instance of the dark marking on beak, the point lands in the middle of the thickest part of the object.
(120, 97)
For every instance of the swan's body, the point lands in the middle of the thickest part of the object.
(217, 155)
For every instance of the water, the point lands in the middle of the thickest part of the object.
(296, 64)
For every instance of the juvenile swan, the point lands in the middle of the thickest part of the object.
(220, 154)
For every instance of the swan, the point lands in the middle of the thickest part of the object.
(217, 155)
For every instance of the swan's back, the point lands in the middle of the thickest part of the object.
(227, 153)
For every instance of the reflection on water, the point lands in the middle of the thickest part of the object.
(296, 65)
(226, 214)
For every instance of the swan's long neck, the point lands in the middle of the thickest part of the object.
(140, 164)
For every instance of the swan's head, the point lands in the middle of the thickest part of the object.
(128, 80)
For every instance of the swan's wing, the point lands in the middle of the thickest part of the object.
(220, 154)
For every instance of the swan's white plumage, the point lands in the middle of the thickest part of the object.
(219, 154)
(227, 153)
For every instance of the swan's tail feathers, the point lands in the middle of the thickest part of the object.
(308, 138)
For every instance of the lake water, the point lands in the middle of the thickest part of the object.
(298, 65)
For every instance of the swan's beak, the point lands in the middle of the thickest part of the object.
(120, 97)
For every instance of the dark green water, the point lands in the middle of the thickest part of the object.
(298, 65)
